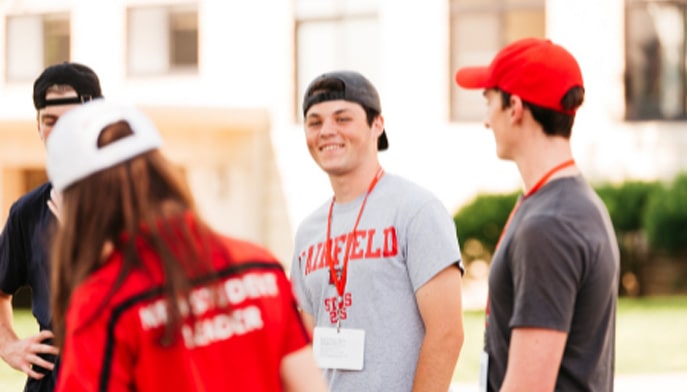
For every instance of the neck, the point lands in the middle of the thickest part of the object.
(348, 187)
(541, 156)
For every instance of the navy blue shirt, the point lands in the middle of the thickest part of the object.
(24, 262)
(24, 250)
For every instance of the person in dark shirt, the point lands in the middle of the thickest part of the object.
(24, 239)
(553, 279)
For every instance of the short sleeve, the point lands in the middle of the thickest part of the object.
(431, 243)
(547, 265)
(12, 257)
(298, 285)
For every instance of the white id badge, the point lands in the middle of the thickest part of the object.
(343, 349)
(483, 371)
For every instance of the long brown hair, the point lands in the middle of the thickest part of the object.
(131, 197)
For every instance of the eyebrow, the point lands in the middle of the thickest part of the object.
(48, 115)
(342, 110)
(336, 112)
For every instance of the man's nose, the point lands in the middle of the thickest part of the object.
(329, 127)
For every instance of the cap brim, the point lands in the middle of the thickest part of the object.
(473, 77)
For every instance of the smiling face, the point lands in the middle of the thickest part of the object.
(48, 116)
(339, 138)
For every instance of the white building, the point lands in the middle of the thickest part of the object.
(223, 81)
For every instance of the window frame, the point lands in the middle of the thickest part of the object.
(45, 59)
(630, 114)
(499, 8)
(170, 67)
(337, 14)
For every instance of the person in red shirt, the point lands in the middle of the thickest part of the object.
(146, 297)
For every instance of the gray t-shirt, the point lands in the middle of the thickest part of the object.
(557, 268)
(404, 238)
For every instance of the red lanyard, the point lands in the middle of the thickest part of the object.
(532, 191)
(340, 283)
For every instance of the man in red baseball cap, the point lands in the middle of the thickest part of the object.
(554, 275)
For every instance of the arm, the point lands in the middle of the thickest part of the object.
(308, 321)
(300, 373)
(21, 354)
(534, 358)
(440, 304)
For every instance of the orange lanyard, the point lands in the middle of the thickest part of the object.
(340, 283)
(532, 191)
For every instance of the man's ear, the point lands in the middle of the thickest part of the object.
(516, 109)
(378, 124)
(38, 121)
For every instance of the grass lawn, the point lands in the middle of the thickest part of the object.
(651, 338)
(10, 379)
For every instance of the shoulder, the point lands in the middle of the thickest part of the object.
(396, 182)
(400, 190)
(570, 201)
(30, 213)
(542, 219)
(243, 251)
(565, 212)
(90, 297)
(35, 198)
(408, 199)
(569, 194)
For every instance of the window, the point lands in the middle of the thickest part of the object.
(35, 42)
(655, 73)
(184, 38)
(479, 28)
(162, 40)
(335, 35)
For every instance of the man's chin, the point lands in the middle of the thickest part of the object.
(332, 169)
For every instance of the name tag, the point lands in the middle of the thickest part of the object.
(343, 349)
(483, 371)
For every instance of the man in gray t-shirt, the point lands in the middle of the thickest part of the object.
(377, 269)
(553, 282)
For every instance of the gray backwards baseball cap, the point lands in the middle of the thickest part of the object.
(348, 86)
(80, 77)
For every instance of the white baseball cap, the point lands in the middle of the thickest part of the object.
(72, 146)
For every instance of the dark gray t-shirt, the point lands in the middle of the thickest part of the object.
(404, 238)
(557, 268)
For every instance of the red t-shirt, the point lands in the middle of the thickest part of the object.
(239, 347)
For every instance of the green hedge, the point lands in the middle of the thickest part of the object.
(665, 217)
(483, 218)
(627, 202)
(634, 206)
(650, 220)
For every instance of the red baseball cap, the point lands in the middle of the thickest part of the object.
(537, 70)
